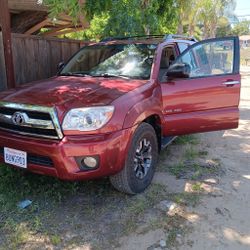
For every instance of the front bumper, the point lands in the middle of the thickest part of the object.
(111, 149)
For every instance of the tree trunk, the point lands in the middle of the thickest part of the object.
(147, 30)
(191, 29)
(213, 28)
(180, 28)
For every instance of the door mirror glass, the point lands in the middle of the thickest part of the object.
(179, 70)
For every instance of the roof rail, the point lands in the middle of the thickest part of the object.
(164, 37)
(172, 36)
(132, 37)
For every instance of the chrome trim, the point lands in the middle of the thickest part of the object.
(30, 134)
(6, 118)
(231, 83)
(57, 125)
(28, 107)
(43, 124)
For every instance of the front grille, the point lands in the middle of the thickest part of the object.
(35, 159)
(31, 114)
(35, 120)
(28, 130)
(40, 160)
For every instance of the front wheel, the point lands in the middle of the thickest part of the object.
(140, 163)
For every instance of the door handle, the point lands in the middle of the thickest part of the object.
(228, 83)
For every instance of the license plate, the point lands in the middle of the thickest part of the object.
(15, 157)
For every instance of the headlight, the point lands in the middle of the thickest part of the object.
(87, 119)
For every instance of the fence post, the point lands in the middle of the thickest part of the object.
(6, 33)
(3, 80)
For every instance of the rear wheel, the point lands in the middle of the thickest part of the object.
(140, 163)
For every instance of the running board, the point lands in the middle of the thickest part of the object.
(165, 141)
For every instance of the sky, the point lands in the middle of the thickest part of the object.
(243, 9)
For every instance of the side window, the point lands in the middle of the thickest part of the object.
(168, 56)
(188, 58)
(182, 46)
(209, 59)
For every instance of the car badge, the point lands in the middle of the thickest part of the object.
(19, 118)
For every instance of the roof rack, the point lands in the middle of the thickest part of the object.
(172, 36)
(164, 37)
(132, 37)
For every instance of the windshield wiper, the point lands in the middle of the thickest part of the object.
(74, 74)
(112, 75)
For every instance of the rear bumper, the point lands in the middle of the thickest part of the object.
(111, 149)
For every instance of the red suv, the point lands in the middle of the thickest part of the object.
(115, 104)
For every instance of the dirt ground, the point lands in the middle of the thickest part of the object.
(222, 218)
(199, 200)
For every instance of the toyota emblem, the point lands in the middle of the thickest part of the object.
(18, 118)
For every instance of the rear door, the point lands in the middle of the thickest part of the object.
(208, 99)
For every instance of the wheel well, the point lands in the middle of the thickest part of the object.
(155, 122)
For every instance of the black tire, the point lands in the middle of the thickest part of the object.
(140, 162)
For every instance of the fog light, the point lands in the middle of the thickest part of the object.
(86, 163)
(90, 162)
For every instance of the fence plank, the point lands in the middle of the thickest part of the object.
(37, 57)
(55, 52)
(3, 80)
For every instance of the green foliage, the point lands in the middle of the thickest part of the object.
(60, 207)
(223, 27)
(118, 17)
(73, 8)
(95, 31)
(97, 27)
(242, 28)
(200, 18)
(186, 139)
(187, 199)
(97, 7)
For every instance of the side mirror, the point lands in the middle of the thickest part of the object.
(180, 70)
(60, 66)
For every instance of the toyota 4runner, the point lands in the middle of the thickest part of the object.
(115, 104)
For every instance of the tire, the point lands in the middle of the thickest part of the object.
(140, 162)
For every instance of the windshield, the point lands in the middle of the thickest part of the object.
(121, 60)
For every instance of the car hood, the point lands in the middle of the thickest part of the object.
(66, 92)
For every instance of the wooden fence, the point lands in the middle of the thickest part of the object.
(37, 57)
(3, 80)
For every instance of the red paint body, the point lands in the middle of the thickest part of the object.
(182, 106)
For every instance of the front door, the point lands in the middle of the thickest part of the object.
(206, 99)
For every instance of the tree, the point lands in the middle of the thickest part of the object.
(200, 18)
(242, 28)
(119, 17)
(223, 27)
(188, 11)
(205, 15)
(210, 12)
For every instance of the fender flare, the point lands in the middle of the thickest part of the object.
(142, 110)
